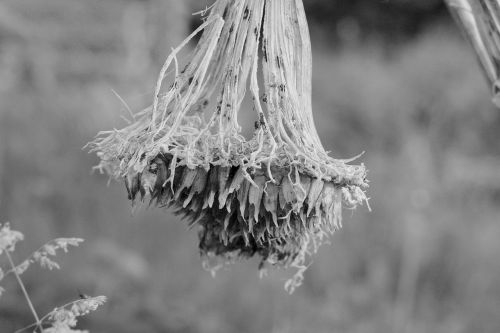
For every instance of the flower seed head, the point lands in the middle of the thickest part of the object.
(275, 195)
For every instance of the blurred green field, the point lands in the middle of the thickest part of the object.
(424, 260)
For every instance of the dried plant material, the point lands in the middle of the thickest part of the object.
(9, 238)
(480, 22)
(61, 319)
(276, 195)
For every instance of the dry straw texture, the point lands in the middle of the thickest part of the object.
(480, 23)
(278, 194)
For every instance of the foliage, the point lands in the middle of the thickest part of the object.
(62, 319)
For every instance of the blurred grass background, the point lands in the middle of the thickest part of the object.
(392, 78)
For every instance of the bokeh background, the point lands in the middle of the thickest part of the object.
(393, 78)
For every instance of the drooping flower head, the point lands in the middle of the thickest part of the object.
(276, 195)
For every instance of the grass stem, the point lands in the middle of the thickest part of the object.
(23, 288)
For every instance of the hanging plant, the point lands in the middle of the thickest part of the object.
(277, 195)
(480, 23)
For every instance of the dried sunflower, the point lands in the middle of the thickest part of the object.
(277, 195)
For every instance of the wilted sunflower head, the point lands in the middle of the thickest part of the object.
(276, 195)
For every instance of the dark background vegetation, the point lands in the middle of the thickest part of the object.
(392, 78)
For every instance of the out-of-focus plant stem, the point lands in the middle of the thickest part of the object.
(25, 293)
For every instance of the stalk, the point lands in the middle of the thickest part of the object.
(480, 23)
(25, 293)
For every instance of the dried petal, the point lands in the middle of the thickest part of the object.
(198, 185)
(314, 192)
(271, 201)
(223, 177)
(287, 194)
(243, 196)
(133, 184)
(303, 189)
(160, 184)
(187, 179)
(238, 179)
(161, 174)
(212, 186)
(255, 195)
(337, 208)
